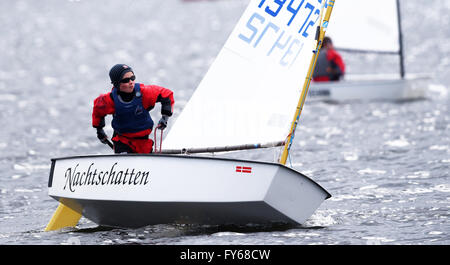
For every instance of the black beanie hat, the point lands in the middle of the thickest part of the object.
(117, 71)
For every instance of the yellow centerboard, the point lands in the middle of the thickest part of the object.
(64, 215)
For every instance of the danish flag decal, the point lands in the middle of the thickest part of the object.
(243, 169)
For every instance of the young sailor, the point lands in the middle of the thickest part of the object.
(329, 66)
(130, 103)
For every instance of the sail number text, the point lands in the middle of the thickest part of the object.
(274, 7)
(261, 29)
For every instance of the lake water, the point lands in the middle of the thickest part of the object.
(386, 164)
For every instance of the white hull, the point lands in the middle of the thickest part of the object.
(367, 90)
(140, 190)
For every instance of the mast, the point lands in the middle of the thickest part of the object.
(400, 40)
(319, 37)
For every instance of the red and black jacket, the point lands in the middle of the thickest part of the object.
(329, 58)
(150, 94)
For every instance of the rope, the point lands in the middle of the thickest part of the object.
(160, 142)
(156, 142)
(154, 138)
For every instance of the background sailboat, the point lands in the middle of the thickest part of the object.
(362, 27)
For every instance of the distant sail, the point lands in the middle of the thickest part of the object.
(250, 92)
(365, 25)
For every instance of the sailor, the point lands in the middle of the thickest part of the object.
(130, 103)
(329, 66)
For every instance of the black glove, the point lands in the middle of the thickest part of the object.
(162, 124)
(101, 135)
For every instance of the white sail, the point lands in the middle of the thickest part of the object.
(365, 25)
(250, 92)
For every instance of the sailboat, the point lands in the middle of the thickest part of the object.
(359, 26)
(249, 98)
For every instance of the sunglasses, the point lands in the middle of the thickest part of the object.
(126, 80)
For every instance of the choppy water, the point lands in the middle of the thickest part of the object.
(386, 164)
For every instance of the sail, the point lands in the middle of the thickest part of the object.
(365, 25)
(250, 92)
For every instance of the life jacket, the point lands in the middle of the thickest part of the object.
(130, 117)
